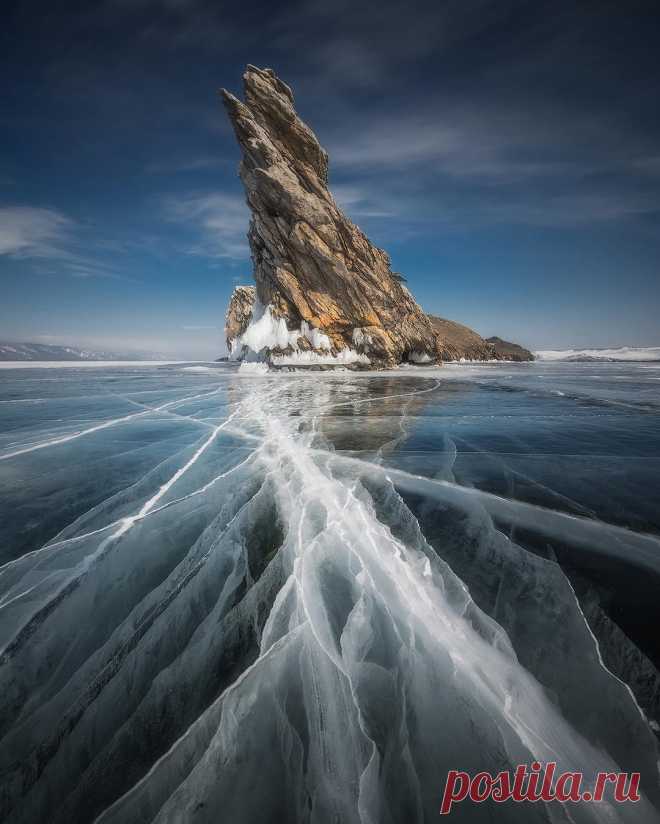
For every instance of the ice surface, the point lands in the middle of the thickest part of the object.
(307, 597)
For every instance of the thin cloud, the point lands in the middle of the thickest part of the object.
(217, 220)
(415, 206)
(26, 232)
(358, 202)
(185, 165)
(572, 210)
(477, 165)
(49, 237)
(487, 144)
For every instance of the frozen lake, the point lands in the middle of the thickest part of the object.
(307, 596)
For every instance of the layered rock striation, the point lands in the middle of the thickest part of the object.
(312, 265)
(323, 292)
(239, 314)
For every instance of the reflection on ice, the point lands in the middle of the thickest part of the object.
(294, 615)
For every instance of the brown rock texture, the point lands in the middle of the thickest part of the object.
(509, 351)
(239, 313)
(311, 263)
(456, 341)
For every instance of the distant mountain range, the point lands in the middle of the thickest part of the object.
(623, 353)
(49, 352)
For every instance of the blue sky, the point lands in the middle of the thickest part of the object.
(506, 154)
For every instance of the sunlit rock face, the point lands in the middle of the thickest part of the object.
(315, 270)
(239, 313)
(311, 263)
(252, 329)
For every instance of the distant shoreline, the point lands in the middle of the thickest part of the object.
(88, 363)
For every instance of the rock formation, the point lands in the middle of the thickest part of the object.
(323, 292)
(457, 342)
(239, 313)
(509, 351)
(312, 265)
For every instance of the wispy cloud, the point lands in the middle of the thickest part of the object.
(185, 165)
(218, 222)
(360, 202)
(30, 232)
(569, 210)
(481, 142)
(52, 239)
(412, 209)
(476, 164)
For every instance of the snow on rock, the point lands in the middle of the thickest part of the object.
(420, 357)
(265, 331)
(361, 338)
(315, 336)
(310, 261)
(304, 358)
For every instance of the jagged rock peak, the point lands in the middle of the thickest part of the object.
(269, 102)
(311, 263)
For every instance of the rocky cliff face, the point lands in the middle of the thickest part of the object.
(456, 342)
(315, 271)
(510, 351)
(239, 314)
(323, 292)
